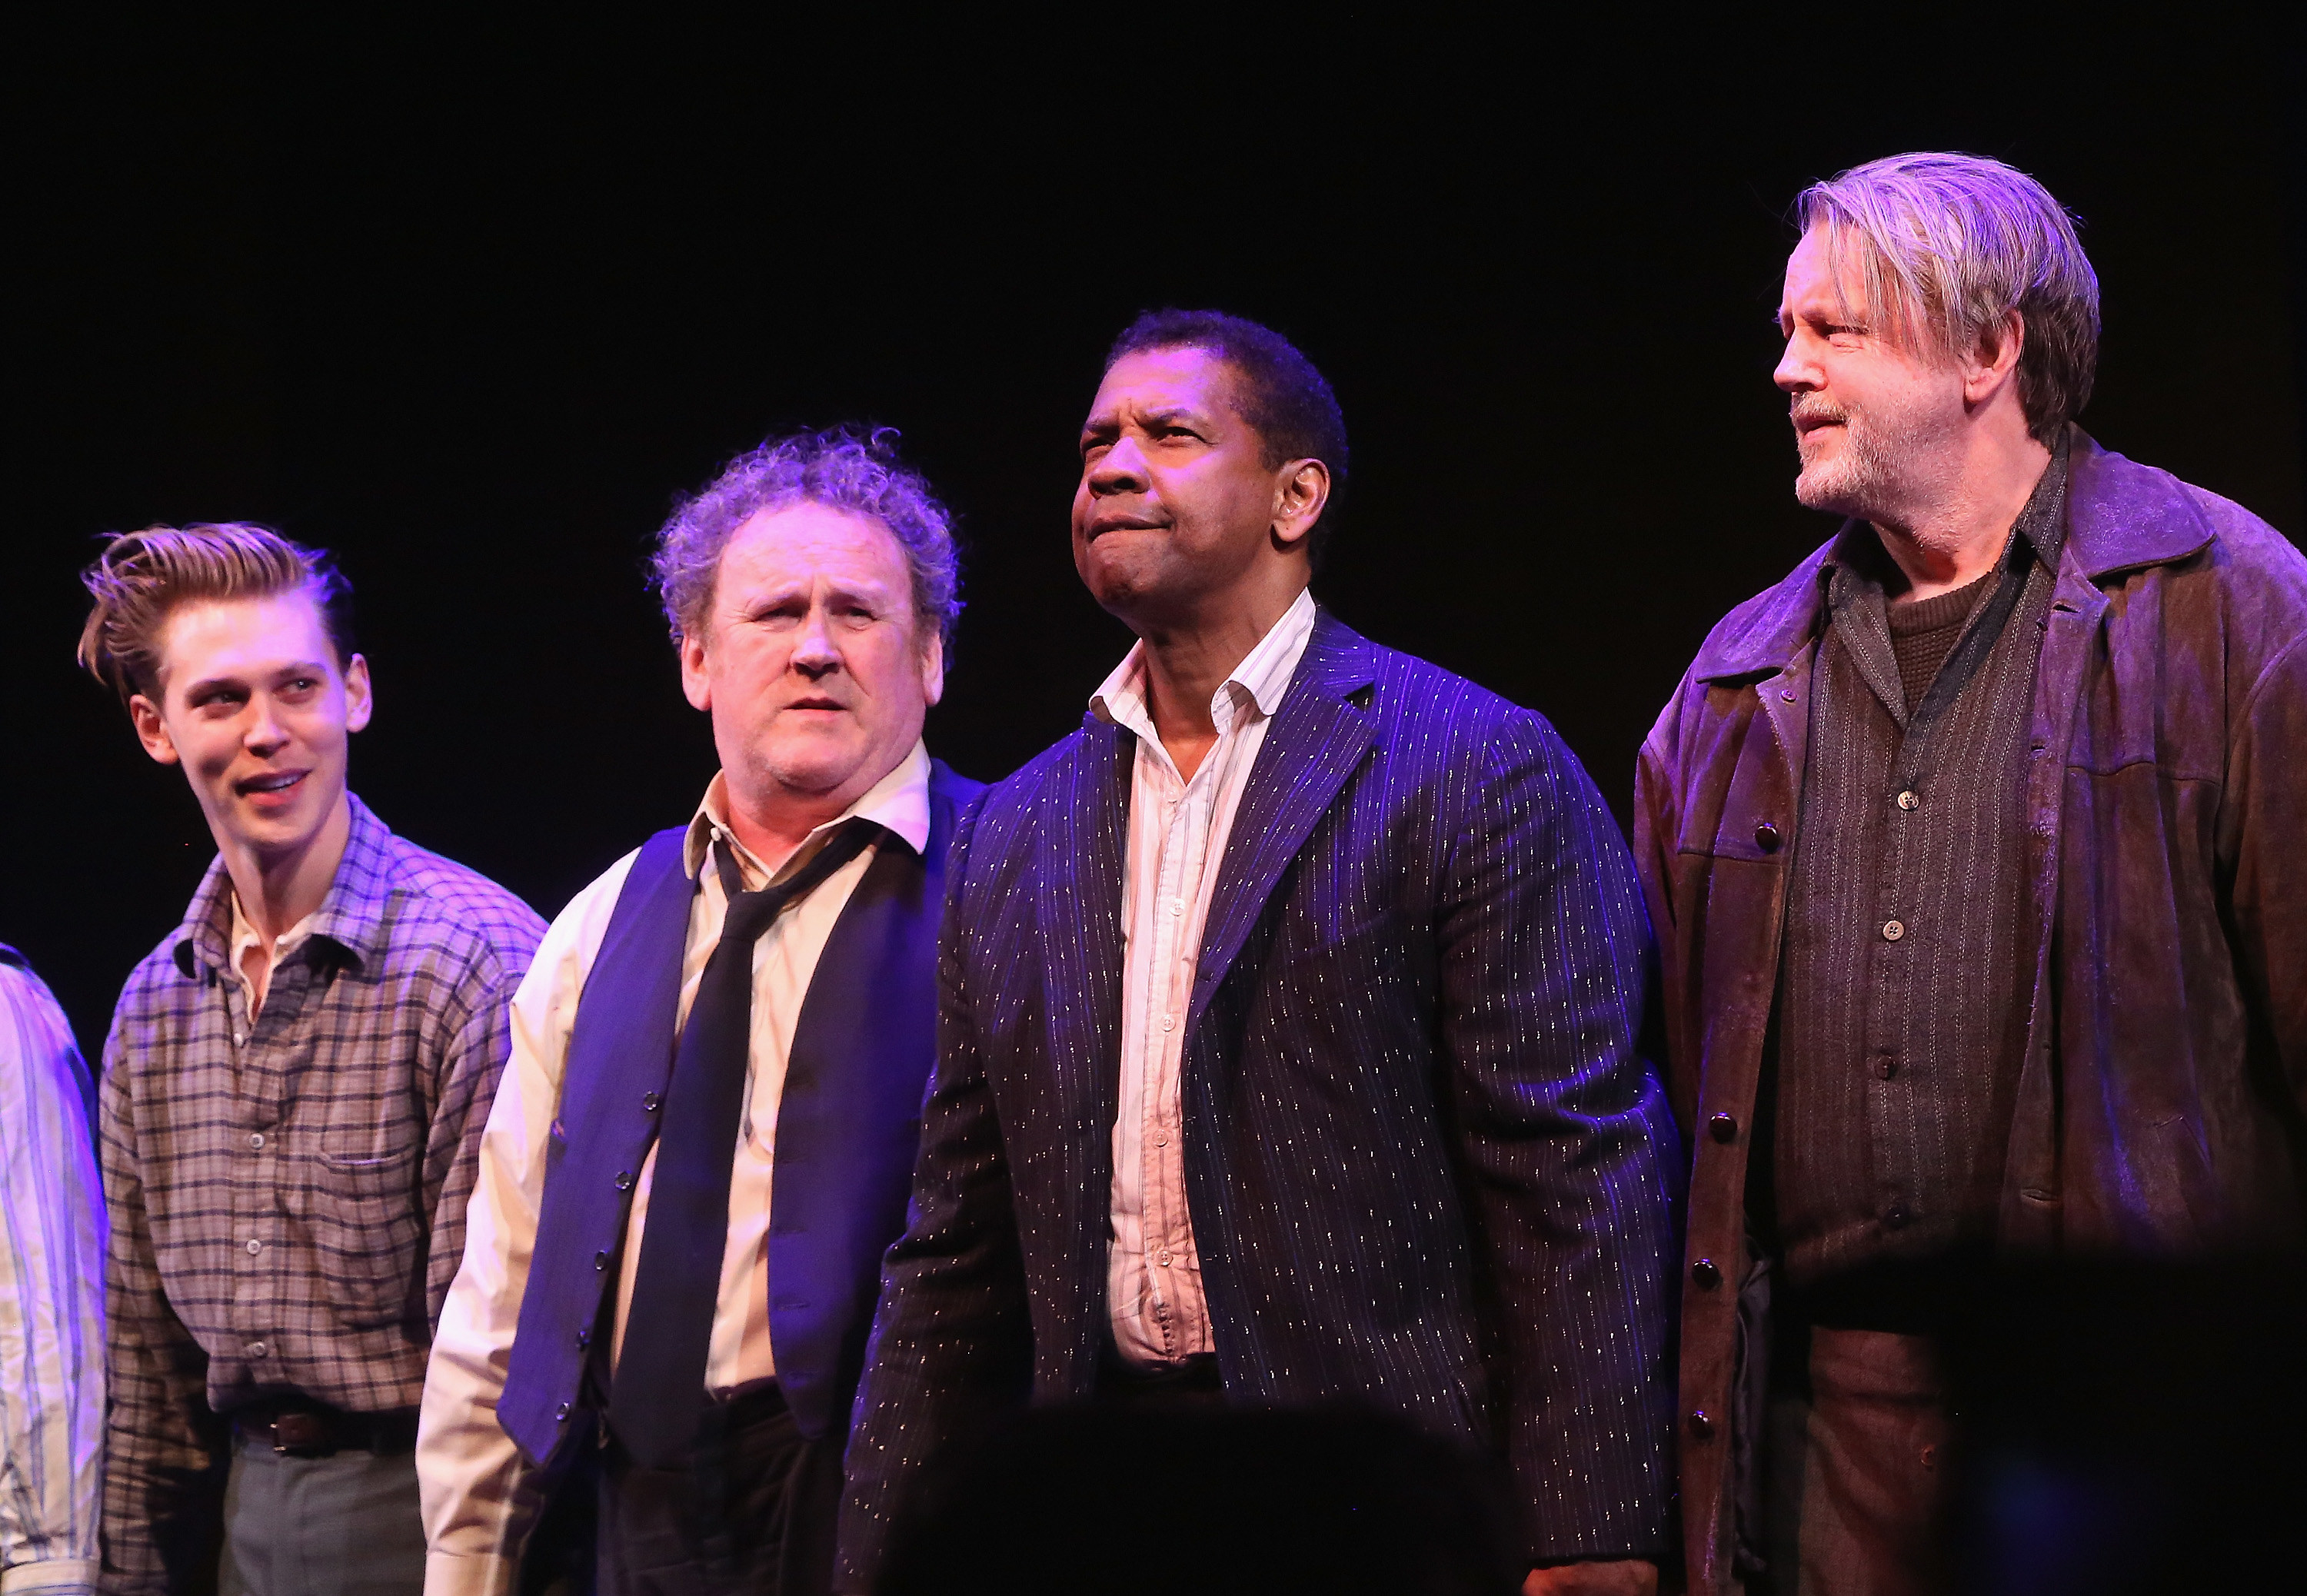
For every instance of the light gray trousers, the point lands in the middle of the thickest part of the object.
(342, 1525)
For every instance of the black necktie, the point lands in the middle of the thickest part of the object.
(657, 1397)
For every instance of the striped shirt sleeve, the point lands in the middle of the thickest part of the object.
(51, 1312)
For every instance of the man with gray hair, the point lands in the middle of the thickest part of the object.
(1981, 893)
(745, 1000)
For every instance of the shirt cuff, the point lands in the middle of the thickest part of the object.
(76, 1575)
(447, 1574)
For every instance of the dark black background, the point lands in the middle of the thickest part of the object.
(468, 303)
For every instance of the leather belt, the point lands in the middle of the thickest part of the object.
(294, 1430)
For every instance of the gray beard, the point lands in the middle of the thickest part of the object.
(1877, 473)
(1862, 478)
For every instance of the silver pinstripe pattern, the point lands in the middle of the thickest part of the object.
(1427, 1169)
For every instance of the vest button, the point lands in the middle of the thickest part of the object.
(600, 1260)
(1722, 1128)
(652, 1101)
(1706, 1273)
(1766, 837)
(624, 1180)
(1702, 1426)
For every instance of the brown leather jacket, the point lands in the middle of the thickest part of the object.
(2160, 1109)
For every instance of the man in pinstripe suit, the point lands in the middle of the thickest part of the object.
(1288, 1042)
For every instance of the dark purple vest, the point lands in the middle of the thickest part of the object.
(848, 1128)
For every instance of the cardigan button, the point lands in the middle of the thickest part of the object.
(1766, 837)
(1706, 1273)
(1702, 1426)
(1722, 1128)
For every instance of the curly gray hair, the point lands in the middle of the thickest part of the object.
(842, 467)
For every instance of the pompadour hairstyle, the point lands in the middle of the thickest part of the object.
(143, 577)
(1285, 400)
(1945, 245)
(845, 467)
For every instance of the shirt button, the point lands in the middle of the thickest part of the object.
(1162, 1258)
(584, 1337)
(1161, 1142)
(624, 1181)
(1706, 1272)
(600, 1261)
(1893, 930)
(1701, 1425)
(1885, 1068)
(1896, 1216)
(257, 1349)
(1766, 837)
(652, 1101)
(256, 1140)
(238, 1039)
(1168, 1022)
(1177, 906)
(255, 1247)
(1909, 800)
(560, 1414)
(1722, 1128)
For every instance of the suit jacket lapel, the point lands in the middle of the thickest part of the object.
(1318, 740)
(1077, 891)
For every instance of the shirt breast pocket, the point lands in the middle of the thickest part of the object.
(366, 1221)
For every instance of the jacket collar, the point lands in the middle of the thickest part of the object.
(2121, 516)
(351, 915)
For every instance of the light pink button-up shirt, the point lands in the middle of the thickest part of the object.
(1178, 832)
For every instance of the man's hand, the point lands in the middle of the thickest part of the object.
(1593, 1579)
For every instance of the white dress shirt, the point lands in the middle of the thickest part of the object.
(1178, 832)
(475, 1483)
(51, 1299)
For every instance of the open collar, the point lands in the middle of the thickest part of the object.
(2121, 516)
(899, 803)
(352, 915)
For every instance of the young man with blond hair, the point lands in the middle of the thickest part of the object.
(294, 1091)
(1981, 887)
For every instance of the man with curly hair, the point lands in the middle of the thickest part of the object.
(745, 1000)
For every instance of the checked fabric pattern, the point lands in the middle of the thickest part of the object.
(287, 1197)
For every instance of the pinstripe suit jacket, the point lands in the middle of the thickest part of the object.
(1427, 1169)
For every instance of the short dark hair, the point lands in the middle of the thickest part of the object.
(1282, 397)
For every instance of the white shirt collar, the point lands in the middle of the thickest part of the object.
(1263, 676)
(244, 936)
(899, 800)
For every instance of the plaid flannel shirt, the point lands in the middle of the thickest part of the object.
(287, 1197)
